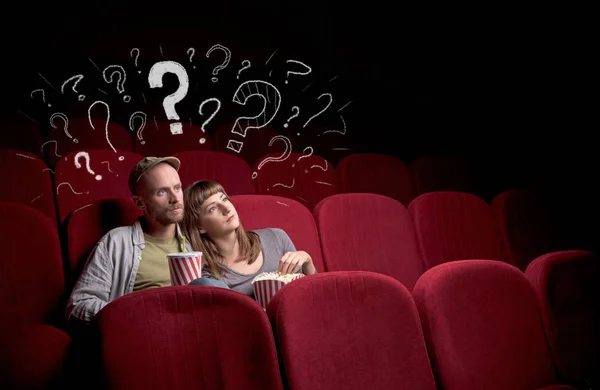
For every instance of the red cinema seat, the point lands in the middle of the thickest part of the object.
(252, 147)
(187, 337)
(232, 172)
(106, 178)
(483, 328)
(455, 226)
(368, 232)
(350, 330)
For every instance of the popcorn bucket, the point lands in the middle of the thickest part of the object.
(267, 284)
(184, 267)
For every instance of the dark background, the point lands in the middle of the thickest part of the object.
(505, 84)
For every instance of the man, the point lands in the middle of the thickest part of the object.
(132, 258)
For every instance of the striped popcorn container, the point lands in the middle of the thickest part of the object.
(184, 267)
(267, 284)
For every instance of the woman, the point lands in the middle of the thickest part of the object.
(231, 256)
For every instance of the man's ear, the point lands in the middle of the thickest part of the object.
(138, 201)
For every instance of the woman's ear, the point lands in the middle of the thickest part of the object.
(202, 231)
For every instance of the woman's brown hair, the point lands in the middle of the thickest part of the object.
(248, 242)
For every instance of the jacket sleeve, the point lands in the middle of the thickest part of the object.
(92, 290)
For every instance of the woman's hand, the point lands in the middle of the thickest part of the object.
(294, 262)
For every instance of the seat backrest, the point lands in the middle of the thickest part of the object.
(187, 337)
(268, 211)
(21, 135)
(87, 225)
(376, 173)
(566, 284)
(156, 139)
(31, 266)
(78, 134)
(438, 172)
(349, 330)
(307, 178)
(232, 172)
(107, 177)
(368, 232)
(254, 145)
(525, 222)
(26, 179)
(482, 326)
(455, 226)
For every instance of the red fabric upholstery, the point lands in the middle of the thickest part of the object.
(33, 356)
(455, 226)
(376, 173)
(159, 141)
(368, 232)
(21, 135)
(339, 330)
(442, 173)
(255, 143)
(263, 211)
(566, 284)
(26, 179)
(87, 137)
(234, 174)
(326, 142)
(87, 225)
(187, 338)
(31, 266)
(84, 187)
(305, 178)
(525, 224)
(483, 328)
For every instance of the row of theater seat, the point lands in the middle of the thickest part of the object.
(466, 324)
(103, 174)
(156, 139)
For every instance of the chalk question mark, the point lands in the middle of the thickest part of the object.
(295, 108)
(135, 59)
(143, 117)
(272, 102)
(304, 155)
(155, 80)
(244, 67)
(224, 64)
(43, 95)
(78, 77)
(66, 120)
(86, 157)
(323, 110)
(283, 157)
(120, 72)
(202, 140)
(191, 49)
(106, 124)
(289, 72)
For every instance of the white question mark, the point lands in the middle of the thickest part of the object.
(191, 49)
(304, 155)
(143, 117)
(119, 71)
(245, 91)
(106, 125)
(323, 110)
(283, 157)
(248, 63)
(43, 95)
(155, 80)
(135, 59)
(87, 164)
(202, 140)
(66, 120)
(78, 77)
(300, 73)
(295, 108)
(224, 64)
